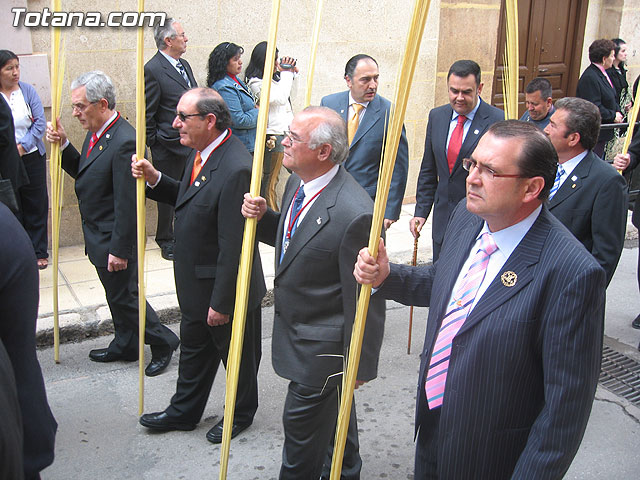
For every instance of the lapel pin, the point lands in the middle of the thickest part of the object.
(574, 178)
(100, 148)
(476, 131)
(573, 186)
(108, 135)
(203, 178)
(509, 278)
(319, 220)
(197, 184)
(342, 111)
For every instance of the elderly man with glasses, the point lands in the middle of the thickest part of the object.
(106, 198)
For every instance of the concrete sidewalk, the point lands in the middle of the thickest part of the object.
(83, 310)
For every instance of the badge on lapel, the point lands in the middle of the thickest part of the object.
(509, 278)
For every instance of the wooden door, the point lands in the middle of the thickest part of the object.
(551, 34)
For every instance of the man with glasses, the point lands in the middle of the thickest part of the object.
(106, 199)
(512, 350)
(208, 231)
(325, 218)
(166, 77)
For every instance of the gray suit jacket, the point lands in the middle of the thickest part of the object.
(592, 204)
(525, 364)
(315, 292)
(436, 186)
(365, 151)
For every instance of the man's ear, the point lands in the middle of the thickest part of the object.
(324, 152)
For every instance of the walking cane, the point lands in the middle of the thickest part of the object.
(414, 260)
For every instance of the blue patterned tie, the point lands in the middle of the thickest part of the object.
(297, 206)
(183, 73)
(556, 183)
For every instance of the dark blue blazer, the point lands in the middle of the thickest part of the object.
(365, 151)
(524, 366)
(437, 187)
(592, 204)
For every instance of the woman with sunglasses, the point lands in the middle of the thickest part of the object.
(225, 65)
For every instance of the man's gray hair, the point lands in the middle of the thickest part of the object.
(160, 32)
(332, 130)
(98, 86)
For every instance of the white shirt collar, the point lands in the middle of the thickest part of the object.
(509, 238)
(204, 154)
(572, 163)
(106, 124)
(172, 60)
(352, 101)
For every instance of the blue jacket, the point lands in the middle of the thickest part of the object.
(242, 106)
(34, 135)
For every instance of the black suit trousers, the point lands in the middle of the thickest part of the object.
(171, 164)
(121, 289)
(202, 349)
(309, 421)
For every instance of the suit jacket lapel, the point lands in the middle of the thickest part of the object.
(172, 72)
(574, 183)
(310, 226)
(188, 189)
(526, 254)
(440, 134)
(371, 116)
(98, 149)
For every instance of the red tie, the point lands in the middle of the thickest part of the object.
(92, 141)
(197, 166)
(455, 143)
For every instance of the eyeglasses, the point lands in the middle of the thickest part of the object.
(469, 164)
(81, 107)
(291, 137)
(183, 116)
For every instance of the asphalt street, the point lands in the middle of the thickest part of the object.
(96, 406)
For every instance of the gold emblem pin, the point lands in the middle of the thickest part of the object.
(509, 278)
(100, 148)
(573, 186)
(203, 178)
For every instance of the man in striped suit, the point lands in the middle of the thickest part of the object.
(514, 336)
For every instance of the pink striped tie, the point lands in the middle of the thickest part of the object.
(454, 318)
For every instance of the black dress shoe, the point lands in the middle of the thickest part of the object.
(163, 422)
(159, 362)
(215, 434)
(167, 251)
(105, 355)
(636, 322)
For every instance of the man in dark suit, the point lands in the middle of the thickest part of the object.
(325, 216)
(367, 116)
(166, 77)
(595, 86)
(209, 229)
(18, 314)
(588, 196)
(512, 350)
(106, 198)
(453, 132)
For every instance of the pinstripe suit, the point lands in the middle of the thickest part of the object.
(524, 366)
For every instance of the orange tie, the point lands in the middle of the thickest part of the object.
(197, 165)
(352, 126)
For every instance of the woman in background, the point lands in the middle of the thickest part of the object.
(29, 122)
(618, 75)
(280, 113)
(225, 65)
